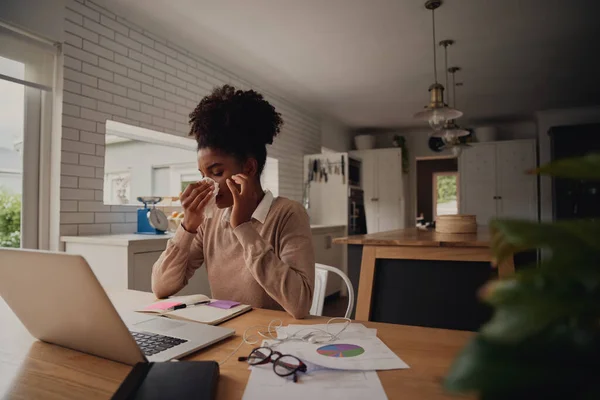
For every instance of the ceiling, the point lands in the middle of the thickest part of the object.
(368, 63)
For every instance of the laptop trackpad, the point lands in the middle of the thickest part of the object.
(159, 324)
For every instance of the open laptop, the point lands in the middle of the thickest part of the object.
(59, 300)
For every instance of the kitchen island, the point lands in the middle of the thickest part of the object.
(421, 277)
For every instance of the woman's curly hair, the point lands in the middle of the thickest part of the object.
(239, 122)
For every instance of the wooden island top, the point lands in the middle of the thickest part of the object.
(420, 237)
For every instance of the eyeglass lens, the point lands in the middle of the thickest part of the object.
(286, 365)
(259, 355)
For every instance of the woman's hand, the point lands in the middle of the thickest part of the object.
(193, 200)
(245, 200)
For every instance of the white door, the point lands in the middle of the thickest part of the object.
(517, 190)
(389, 182)
(369, 185)
(478, 182)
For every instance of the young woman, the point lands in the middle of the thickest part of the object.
(257, 249)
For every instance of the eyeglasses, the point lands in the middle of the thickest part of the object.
(283, 364)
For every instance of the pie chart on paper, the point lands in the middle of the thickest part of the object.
(340, 350)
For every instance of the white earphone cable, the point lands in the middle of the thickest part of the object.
(315, 335)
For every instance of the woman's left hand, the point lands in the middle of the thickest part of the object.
(245, 200)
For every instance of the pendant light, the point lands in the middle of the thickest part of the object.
(450, 130)
(437, 112)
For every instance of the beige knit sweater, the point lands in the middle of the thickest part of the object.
(267, 262)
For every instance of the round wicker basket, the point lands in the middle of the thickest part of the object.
(456, 224)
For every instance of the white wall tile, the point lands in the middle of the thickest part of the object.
(80, 77)
(83, 101)
(127, 82)
(98, 50)
(138, 37)
(80, 54)
(91, 183)
(93, 161)
(72, 63)
(93, 206)
(77, 170)
(153, 53)
(91, 137)
(111, 87)
(83, 33)
(70, 158)
(127, 42)
(127, 103)
(69, 181)
(123, 228)
(114, 46)
(97, 72)
(96, 93)
(69, 109)
(68, 230)
(139, 96)
(72, 87)
(73, 17)
(76, 194)
(114, 25)
(135, 55)
(112, 109)
(94, 115)
(94, 229)
(76, 218)
(109, 217)
(140, 77)
(99, 29)
(83, 10)
(151, 90)
(78, 123)
(127, 62)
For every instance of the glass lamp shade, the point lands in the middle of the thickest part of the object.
(456, 151)
(450, 134)
(437, 117)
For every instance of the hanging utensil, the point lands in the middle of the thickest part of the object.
(343, 170)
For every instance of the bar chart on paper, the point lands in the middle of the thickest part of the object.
(341, 350)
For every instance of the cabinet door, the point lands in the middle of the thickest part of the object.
(389, 189)
(478, 182)
(142, 270)
(369, 186)
(517, 190)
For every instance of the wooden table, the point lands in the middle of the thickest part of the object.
(30, 369)
(416, 244)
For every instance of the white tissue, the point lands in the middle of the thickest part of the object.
(211, 207)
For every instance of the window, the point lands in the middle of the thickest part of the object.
(270, 176)
(27, 73)
(445, 193)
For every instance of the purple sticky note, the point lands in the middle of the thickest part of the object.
(224, 304)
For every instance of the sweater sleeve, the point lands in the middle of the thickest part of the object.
(176, 265)
(288, 279)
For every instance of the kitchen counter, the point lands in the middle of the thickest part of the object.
(115, 240)
(421, 277)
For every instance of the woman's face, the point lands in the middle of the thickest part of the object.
(219, 166)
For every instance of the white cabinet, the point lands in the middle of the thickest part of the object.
(125, 261)
(494, 182)
(383, 184)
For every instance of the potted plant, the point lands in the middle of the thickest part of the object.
(543, 341)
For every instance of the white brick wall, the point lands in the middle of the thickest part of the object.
(116, 70)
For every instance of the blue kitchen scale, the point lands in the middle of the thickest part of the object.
(150, 220)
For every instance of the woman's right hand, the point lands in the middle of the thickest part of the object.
(193, 200)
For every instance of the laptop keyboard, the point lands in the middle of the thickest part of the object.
(153, 343)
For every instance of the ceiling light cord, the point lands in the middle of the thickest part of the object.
(446, 60)
(434, 47)
(453, 89)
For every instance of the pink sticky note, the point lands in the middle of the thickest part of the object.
(163, 305)
(224, 304)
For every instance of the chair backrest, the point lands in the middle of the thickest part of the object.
(321, 272)
(319, 292)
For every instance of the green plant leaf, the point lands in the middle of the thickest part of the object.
(581, 168)
(487, 367)
(572, 240)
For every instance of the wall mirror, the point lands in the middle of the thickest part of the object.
(142, 162)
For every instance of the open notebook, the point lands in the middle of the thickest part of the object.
(196, 308)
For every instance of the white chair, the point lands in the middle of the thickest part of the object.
(321, 272)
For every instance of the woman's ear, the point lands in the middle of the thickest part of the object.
(251, 167)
